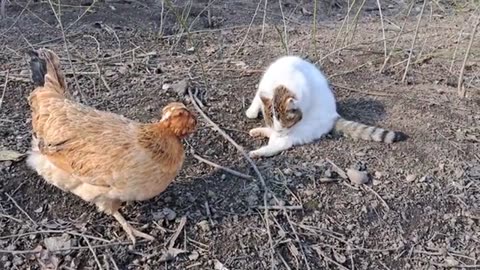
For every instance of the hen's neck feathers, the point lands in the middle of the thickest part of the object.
(159, 139)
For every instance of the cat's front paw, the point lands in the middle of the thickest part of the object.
(255, 133)
(260, 132)
(254, 154)
(252, 113)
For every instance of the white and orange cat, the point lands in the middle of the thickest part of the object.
(299, 107)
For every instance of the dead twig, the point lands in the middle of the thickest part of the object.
(179, 229)
(21, 209)
(66, 48)
(370, 93)
(414, 40)
(4, 89)
(383, 28)
(55, 231)
(102, 78)
(94, 254)
(378, 196)
(322, 254)
(337, 169)
(20, 252)
(254, 167)
(397, 38)
(461, 88)
(280, 207)
(249, 28)
(228, 170)
(2, 9)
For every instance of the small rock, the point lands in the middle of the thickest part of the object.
(204, 226)
(166, 86)
(309, 192)
(459, 172)
(357, 177)
(169, 214)
(378, 175)
(339, 257)
(411, 177)
(297, 173)
(193, 256)
(376, 182)
(180, 87)
(17, 261)
(287, 171)
(328, 173)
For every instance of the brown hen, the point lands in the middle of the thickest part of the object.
(102, 157)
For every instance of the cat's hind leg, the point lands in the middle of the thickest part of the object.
(261, 132)
(275, 146)
(254, 109)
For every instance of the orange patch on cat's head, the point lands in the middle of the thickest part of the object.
(287, 110)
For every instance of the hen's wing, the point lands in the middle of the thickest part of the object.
(93, 145)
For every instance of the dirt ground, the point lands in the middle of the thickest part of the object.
(420, 209)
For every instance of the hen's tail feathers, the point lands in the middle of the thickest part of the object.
(361, 131)
(46, 70)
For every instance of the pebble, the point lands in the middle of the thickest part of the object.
(411, 177)
(357, 177)
(204, 226)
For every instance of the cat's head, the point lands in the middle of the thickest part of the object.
(282, 111)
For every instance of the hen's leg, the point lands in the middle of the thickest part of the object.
(254, 109)
(130, 230)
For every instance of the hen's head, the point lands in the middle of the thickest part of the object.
(179, 119)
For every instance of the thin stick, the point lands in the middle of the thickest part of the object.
(81, 16)
(454, 56)
(337, 169)
(228, 170)
(314, 30)
(12, 218)
(378, 196)
(4, 89)
(263, 22)
(2, 9)
(397, 38)
(460, 88)
(93, 253)
(55, 231)
(21, 209)
(355, 21)
(321, 253)
(249, 27)
(102, 78)
(57, 16)
(343, 24)
(254, 167)
(383, 28)
(285, 34)
(182, 223)
(17, 252)
(279, 207)
(413, 41)
(16, 19)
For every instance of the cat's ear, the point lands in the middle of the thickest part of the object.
(265, 100)
(291, 103)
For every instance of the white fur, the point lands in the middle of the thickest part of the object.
(313, 96)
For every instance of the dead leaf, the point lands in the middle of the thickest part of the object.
(58, 243)
(219, 266)
(46, 259)
(171, 254)
(6, 155)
